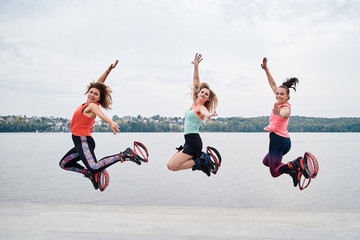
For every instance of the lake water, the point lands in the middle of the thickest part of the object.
(30, 172)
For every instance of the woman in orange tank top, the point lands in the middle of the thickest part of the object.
(81, 127)
(280, 143)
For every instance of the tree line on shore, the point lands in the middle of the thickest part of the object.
(167, 124)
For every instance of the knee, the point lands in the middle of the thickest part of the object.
(266, 160)
(62, 163)
(273, 173)
(172, 166)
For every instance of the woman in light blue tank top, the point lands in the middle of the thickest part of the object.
(203, 107)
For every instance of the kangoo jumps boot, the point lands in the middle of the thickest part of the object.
(130, 155)
(204, 164)
(92, 178)
(295, 175)
(300, 165)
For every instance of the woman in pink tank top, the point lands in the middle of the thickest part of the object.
(280, 143)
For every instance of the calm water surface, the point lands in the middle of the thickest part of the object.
(30, 172)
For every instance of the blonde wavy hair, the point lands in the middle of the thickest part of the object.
(212, 103)
(105, 94)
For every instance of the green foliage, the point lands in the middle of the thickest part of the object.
(296, 124)
(164, 124)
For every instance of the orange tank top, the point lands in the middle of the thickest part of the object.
(81, 125)
(278, 124)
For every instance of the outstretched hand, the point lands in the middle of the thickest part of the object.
(212, 115)
(198, 58)
(106, 73)
(264, 64)
(113, 65)
(114, 127)
(276, 109)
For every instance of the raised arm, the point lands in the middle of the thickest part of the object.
(106, 73)
(196, 62)
(269, 77)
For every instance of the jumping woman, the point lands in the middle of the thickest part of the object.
(203, 107)
(280, 142)
(81, 127)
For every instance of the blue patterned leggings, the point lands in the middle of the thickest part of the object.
(84, 151)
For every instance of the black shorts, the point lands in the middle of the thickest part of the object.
(193, 144)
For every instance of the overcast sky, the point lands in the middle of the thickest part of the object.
(51, 50)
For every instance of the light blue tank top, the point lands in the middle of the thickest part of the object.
(192, 121)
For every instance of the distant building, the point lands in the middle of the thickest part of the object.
(127, 118)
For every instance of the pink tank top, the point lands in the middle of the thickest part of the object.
(278, 124)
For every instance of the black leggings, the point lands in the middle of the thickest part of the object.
(84, 151)
(278, 147)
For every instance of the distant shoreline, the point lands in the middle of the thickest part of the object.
(175, 124)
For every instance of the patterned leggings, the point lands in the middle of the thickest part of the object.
(278, 147)
(84, 151)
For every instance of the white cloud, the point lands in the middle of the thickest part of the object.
(50, 50)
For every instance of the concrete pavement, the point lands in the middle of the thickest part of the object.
(83, 221)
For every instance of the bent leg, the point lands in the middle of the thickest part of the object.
(266, 160)
(275, 158)
(180, 161)
(69, 162)
(278, 147)
(86, 152)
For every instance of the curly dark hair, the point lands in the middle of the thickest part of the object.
(105, 94)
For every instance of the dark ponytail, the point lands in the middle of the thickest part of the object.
(290, 83)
